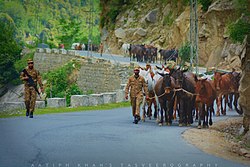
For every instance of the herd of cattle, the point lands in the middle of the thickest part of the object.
(179, 91)
(148, 53)
(140, 53)
(82, 46)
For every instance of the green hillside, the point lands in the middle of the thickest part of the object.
(54, 21)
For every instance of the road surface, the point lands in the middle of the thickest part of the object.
(123, 59)
(98, 139)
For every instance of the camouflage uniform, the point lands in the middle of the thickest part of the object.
(135, 85)
(30, 93)
(101, 48)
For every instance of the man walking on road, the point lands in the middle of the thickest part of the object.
(101, 49)
(136, 85)
(31, 77)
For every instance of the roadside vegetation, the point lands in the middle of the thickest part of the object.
(239, 29)
(59, 82)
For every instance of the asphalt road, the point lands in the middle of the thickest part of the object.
(113, 58)
(98, 139)
(122, 59)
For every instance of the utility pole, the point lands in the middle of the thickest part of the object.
(90, 26)
(193, 38)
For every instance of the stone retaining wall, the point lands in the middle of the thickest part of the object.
(49, 59)
(95, 75)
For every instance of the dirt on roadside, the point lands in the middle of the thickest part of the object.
(222, 139)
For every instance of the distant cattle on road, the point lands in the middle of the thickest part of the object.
(125, 48)
(78, 46)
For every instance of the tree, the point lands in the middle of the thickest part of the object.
(239, 29)
(69, 32)
(184, 53)
(9, 48)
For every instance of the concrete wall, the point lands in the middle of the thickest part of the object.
(97, 99)
(9, 106)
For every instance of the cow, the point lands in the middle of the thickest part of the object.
(168, 55)
(126, 48)
(205, 97)
(137, 51)
(224, 85)
(165, 91)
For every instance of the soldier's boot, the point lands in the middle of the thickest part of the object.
(27, 105)
(27, 112)
(138, 118)
(135, 120)
(31, 114)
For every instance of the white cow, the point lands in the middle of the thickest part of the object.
(125, 48)
(151, 84)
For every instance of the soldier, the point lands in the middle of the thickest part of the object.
(148, 66)
(101, 49)
(135, 84)
(30, 90)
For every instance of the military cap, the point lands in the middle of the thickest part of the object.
(29, 61)
(137, 69)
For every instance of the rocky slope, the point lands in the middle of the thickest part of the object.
(166, 25)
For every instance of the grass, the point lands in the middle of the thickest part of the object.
(65, 109)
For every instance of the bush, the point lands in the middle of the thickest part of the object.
(168, 20)
(238, 30)
(58, 83)
(184, 53)
(205, 4)
(113, 13)
(72, 90)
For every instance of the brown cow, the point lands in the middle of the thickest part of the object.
(224, 85)
(234, 96)
(205, 96)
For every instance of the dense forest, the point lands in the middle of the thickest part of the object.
(54, 21)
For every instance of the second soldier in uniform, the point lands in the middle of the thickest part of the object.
(136, 85)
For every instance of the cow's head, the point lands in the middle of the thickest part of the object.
(178, 76)
(200, 88)
(166, 84)
(217, 80)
